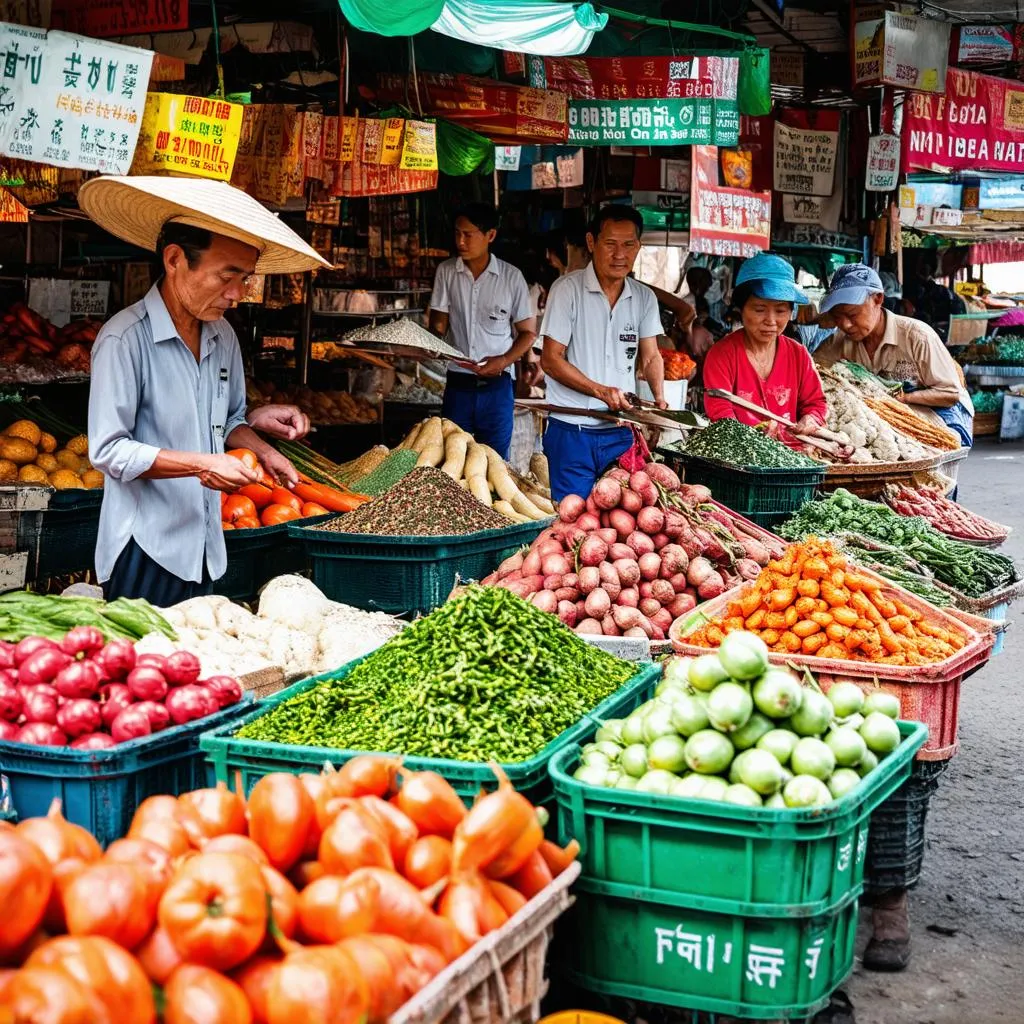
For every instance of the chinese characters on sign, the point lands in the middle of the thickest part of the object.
(805, 161)
(188, 134)
(883, 168)
(665, 122)
(69, 101)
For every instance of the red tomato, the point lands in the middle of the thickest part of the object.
(273, 515)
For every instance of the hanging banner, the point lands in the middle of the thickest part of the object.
(188, 135)
(365, 175)
(653, 122)
(899, 49)
(419, 150)
(507, 158)
(106, 18)
(69, 101)
(883, 165)
(820, 210)
(805, 160)
(1001, 193)
(638, 78)
(985, 44)
(725, 221)
(270, 164)
(977, 125)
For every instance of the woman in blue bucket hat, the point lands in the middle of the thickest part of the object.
(758, 362)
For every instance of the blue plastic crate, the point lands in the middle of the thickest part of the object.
(101, 789)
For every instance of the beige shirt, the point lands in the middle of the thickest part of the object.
(910, 351)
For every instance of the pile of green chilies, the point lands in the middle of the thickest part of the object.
(485, 677)
(25, 614)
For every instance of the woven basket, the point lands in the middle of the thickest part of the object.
(986, 424)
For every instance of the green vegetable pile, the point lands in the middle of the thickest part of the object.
(398, 464)
(739, 445)
(895, 566)
(1010, 349)
(987, 401)
(970, 570)
(485, 677)
(25, 614)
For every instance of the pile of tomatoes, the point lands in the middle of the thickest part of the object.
(331, 897)
(259, 505)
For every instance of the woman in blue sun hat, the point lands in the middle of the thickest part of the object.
(758, 362)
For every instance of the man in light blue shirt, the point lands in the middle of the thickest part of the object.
(167, 398)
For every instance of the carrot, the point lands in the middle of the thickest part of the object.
(808, 588)
(334, 500)
(806, 628)
(781, 599)
(813, 644)
(845, 616)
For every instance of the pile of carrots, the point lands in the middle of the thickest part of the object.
(812, 602)
(678, 365)
(266, 504)
(331, 897)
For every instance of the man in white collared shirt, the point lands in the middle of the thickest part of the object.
(598, 323)
(481, 305)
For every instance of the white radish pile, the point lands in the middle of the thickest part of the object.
(634, 556)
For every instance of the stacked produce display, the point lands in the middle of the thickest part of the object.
(31, 455)
(35, 351)
(944, 515)
(324, 408)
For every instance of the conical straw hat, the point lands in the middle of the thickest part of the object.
(135, 209)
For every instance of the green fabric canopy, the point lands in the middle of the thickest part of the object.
(392, 17)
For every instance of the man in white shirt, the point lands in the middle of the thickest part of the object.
(481, 305)
(598, 323)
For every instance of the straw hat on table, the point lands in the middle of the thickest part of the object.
(135, 209)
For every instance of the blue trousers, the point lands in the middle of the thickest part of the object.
(483, 407)
(137, 575)
(577, 456)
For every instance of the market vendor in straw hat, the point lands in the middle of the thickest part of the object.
(167, 396)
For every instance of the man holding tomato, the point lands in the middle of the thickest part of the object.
(167, 394)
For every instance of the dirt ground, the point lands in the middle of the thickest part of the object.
(967, 914)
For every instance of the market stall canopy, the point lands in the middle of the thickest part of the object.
(135, 209)
(524, 26)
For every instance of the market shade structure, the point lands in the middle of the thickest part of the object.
(528, 26)
(135, 209)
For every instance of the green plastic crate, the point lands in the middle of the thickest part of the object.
(254, 759)
(402, 575)
(62, 539)
(768, 968)
(765, 496)
(720, 857)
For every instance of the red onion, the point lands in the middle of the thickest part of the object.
(79, 717)
(147, 683)
(94, 741)
(8, 731)
(39, 706)
(41, 734)
(79, 679)
(24, 649)
(226, 690)
(42, 666)
(11, 701)
(130, 725)
(84, 640)
(571, 507)
(115, 698)
(158, 715)
(187, 703)
(117, 659)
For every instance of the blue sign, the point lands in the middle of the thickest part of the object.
(1001, 193)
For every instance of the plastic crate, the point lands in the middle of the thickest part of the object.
(61, 539)
(254, 759)
(101, 789)
(764, 496)
(402, 575)
(766, 968)
(720, 857)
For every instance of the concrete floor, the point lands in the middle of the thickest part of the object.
(967, 914)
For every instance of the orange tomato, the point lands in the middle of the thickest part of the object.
(238, 507)
(273, 515)
(246, 457)
(311, 508)
(25, 883)
(282, 496)
(199, 995)
(246, 523)
(258, 494)
(227, 526)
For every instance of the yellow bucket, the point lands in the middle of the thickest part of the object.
(580, 1017)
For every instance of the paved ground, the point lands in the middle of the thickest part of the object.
(968, 911)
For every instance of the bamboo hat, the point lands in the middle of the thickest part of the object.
(135, 209)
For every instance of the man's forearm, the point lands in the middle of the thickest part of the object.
(523, 343)
(560, 369)
(173, 465)
(935, 398)
(654, 374)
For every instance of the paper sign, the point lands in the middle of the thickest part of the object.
(725, 221)
(11, 211)
(50, 298)
(188, 135)
(805, 161)
(507, 158)
(90, 298)
(105, 18)
(883, 166)
(419, 150)
(947, 217)
(821, 210)
(900, 49)
(542, 175)
(391, 145)
(69, 101)
(570, 169)
(661, 122)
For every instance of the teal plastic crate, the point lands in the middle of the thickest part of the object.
(101, 789)
(769, 968)
(229, 754)
(765, 496)
(703, 855)
(400, 575)
(61, 539)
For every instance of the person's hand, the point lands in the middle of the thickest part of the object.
(614, 398)
(225, 473)
(685, 315)
(661, 403)
(492, 366)
(284, 421)
(278, 468)
(806, 425)
(533, 372)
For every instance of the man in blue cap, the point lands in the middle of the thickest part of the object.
(895, 347)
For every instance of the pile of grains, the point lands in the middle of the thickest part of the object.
(426, 503)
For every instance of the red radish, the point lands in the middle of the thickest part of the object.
(570, 579)
(159, 717)
(755, 550)
(628, 570)
(589, 627)
(699, 570)
(622, 523)
(694, 494)
(675, 558)
(598, 604)
(24, 649)
(581, 610)
(571, 507)
(682, 605)
(8, 731)
(711, 587)
(661, 590)
(42, 666)
(555, 565)
(636, 631)
(11, 701)
(592, 508)
(157, 661)
(631, 502)
(650, 496)
(628, 597)
(146, 683)
(618, 473)
(511, 564)
(650, 520)
(639, 480)
(678, 582)
(567, 613)
(510, 578)
(674, 523)
(114, 697)
(587, 521)
(532, 563)
(607, 534)
(570, 594)
(609, 578)
(39, 706)
(549, 547)
(692, 591)
(94, 741)
(649, 606)
(593, 551)
(226, 690)
(6, 655)
(79, 679)
(645, 589)
(41, 734)
(79, 717)
(663, 620)
(117, 659)
(186, 703)
(607, 494)
(130, 725)
(609, 628)
(590, 579)
(618, 550)
(82, 640)
(521, 588)
(552, 582)
(545, 600)
(690, 545)
(627, 618)
(649, 565)
(661, 474)
(748, 569)
(640, 543)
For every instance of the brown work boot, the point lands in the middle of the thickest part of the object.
(889, 948)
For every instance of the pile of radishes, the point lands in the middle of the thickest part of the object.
(638, 553)
(89, 694)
